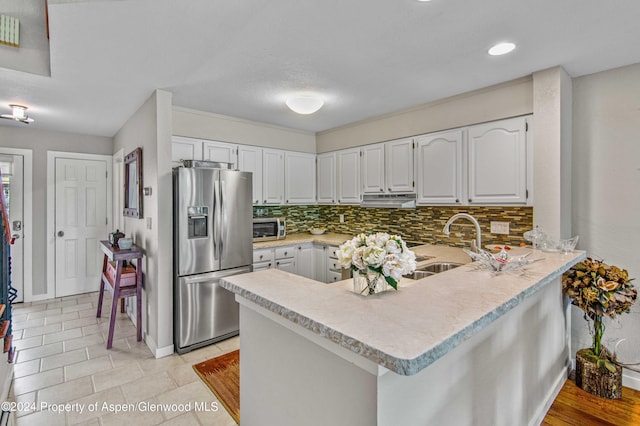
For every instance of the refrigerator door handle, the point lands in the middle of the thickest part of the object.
(223, 219)
(215, 220)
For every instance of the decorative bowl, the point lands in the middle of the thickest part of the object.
(125, 243)
(317, 231)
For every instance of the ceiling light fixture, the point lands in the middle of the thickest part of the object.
(304, 104)
(18, 113)
(501, 49)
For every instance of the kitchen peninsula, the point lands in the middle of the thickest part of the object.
(461, 347)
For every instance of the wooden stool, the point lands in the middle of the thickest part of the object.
(121, 283)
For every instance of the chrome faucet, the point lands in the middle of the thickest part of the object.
(475, 244)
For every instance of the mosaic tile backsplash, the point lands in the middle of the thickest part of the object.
(420, 224)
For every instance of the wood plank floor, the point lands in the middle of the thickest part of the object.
(573, 406)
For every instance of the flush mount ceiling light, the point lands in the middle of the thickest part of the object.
(304, 104)
(18, 113)
(501, 49)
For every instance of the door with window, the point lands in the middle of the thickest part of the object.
(81, 220)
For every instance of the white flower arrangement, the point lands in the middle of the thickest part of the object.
(385, 254)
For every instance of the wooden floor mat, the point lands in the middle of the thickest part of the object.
(222, 375)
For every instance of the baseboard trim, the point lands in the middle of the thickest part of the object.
(551, 396)
(631, 382)
(155, 350)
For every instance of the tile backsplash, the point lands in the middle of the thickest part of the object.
(420, 224)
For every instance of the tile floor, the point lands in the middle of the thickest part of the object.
(62, 358)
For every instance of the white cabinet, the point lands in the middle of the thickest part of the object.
(285, 258)
(306, 264)
(439, 168)
(334, 270)
(372, 169)
(398, 162)
(220, 151)
(326, 178)
(185, 149)
(320, 262)
(498, 162)
(348, 176)
(250, 160)
(300, 178)
(272, 176)
(263, 259)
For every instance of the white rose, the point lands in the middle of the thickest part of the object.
(345, 254)
(357, 260)
(373, 256)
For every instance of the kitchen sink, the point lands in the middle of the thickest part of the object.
(432, 269)
(439, 267)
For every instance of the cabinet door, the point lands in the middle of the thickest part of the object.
(439, 168)
(250, 160)
(272, 176)
(373, 169)
(262, 266)
(326, 178)
(299, 178)
(398, 158)
(288, 265)
(320, 262)
(306, 261)
(497, 162)
(221, 151)
(349, 176)
(185, 149)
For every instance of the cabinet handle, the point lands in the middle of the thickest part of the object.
(285, 253)
(287, 201)
(265, 201)
(389, 189)
(269, 264)
(381, 190)
(469, 199)
(261, 256)
(277, 263)
(457, 200)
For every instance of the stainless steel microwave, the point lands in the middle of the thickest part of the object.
(269, 228)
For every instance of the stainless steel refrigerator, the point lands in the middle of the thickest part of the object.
(212, 239)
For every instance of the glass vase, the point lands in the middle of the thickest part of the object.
(369, 282)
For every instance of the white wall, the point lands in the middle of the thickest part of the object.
(150, 128)
(40, 142)
(205, 125)
(606, 181)
(504, 100)
(552, 92)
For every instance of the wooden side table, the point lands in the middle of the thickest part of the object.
(118, 256)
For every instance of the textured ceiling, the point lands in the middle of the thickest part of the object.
(240, 58)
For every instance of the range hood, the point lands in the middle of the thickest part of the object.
(390, 201)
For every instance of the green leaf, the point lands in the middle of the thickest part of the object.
(609, 366)
(393, 283)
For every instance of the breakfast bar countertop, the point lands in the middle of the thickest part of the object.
(405, 330)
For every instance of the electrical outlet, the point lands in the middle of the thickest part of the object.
(341, 218)
(500, 228)
(148, 223)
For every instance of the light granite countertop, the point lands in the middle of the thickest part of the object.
(405, 330)
(329, 238)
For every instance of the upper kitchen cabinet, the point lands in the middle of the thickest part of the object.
(326, 178)
(300, 178)
(185, 149)
(348, 176)
(372, 169)
(398, 162)
(272, 176)
(220, 151)
(250, 160)
(498, 162)
(439, 168)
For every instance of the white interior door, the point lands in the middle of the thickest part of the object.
(13, 187)
(80, 222)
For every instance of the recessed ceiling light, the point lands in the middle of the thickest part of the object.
(304, 104)
(501, 48)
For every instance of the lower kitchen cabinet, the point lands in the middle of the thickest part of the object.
(315, 261)
(305, 261)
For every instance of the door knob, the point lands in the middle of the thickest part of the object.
(60, 233)
(15, 236)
